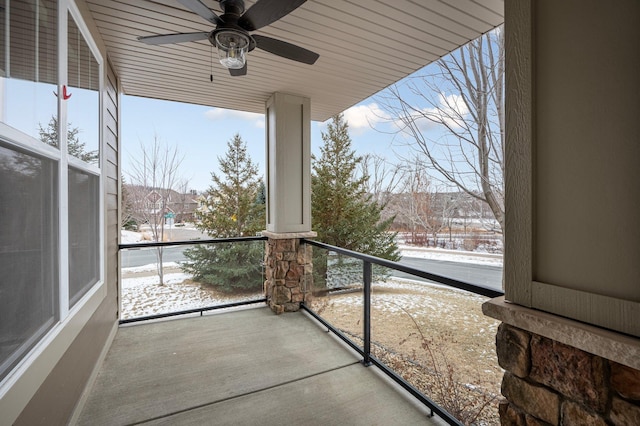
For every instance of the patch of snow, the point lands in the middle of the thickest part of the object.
(130, 237)
(143, 296)
(169, 279)
(151, 267)
(187, 225)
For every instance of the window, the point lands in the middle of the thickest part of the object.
(28, 252)
(29, 67)
(83, 105)
(83, 233)
(83, 77)
(48, 262)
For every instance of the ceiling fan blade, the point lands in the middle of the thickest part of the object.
(174, 38)
(196, 6)
(265, 12)
(286, 50)
(238, 72)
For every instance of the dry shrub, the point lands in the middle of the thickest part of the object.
(434, 375)
(471, 243)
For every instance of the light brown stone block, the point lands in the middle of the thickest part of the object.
(574, 373)
(625, 381)
(530, 420)
(624, 412)
(574, 414)
(510, 416)
(539, 401)
(512, 347)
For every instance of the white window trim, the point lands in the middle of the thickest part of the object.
(17, 388)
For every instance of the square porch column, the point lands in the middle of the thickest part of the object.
(288, 156)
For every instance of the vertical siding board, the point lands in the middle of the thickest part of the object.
(518, 265)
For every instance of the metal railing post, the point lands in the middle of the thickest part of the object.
(365, 351)
(366, 272)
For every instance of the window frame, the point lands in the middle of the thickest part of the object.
(93, 169)
(69, 319)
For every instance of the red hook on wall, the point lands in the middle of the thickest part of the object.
(65, 95)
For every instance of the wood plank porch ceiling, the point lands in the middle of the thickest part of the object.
(364, 46)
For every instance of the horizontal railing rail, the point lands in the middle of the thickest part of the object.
(365, 351)
(189, 242)
(149, 245)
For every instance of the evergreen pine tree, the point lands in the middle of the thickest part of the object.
(232, 208)
(343, 214)
(74, 146)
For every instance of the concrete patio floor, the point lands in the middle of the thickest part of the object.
(241, 368)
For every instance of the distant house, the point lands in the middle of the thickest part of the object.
(145, 203)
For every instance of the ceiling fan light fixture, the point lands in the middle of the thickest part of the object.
(232, 48)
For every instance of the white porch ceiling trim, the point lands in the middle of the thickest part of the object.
(385, 41)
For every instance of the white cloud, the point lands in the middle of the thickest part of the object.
(365, 116)
(362, 118)
(451, 110)
(225, 114)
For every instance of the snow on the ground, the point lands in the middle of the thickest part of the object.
(145, 296)
(451, 255)
(419, 298)
(130, 237)
(151, 267)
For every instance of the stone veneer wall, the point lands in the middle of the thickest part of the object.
(288, 274)
(547, 382)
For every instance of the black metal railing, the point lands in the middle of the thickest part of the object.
(201, 310)
(369, 264)
(365, 351)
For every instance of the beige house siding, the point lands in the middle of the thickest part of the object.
(572, 182)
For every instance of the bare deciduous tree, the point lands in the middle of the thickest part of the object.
(384, 178)
(454, 116)
(154, 178)
(417, 205)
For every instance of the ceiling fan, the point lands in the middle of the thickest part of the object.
(231, 34)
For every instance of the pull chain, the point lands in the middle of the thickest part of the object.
(211, 64)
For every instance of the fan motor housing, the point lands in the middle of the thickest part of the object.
(232, 7)
(235, 29)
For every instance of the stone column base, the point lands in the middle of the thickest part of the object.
(563, 372)
(548, 382)
(288, 273)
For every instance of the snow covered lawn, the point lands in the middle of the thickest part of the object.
(143, 295)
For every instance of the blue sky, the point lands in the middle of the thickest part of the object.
(201, 133)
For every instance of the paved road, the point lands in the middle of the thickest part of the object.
(139, 257)
(483, 275)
